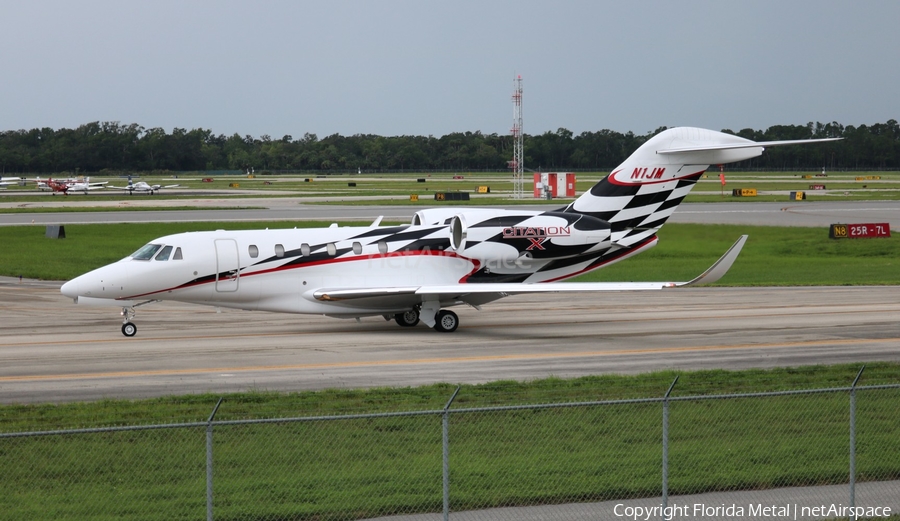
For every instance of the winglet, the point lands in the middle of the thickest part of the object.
(720, 268)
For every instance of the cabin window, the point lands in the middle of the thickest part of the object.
(279, 250)
(177, 255)
(357, 248)
(254, 251)
(332, 249)
(164, 253)
(304, 249)
(147, 252)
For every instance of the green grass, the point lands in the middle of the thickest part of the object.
(772, 256)
(259, 405)
(366, 467)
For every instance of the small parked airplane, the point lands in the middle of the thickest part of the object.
(85, 185)
(445, 257)
(9, 181)
(53, 185)
(141, 186)
(69, 185)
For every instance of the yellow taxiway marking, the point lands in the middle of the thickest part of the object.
(16, 342)
(416, 361)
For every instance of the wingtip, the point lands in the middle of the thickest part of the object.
(720, 267)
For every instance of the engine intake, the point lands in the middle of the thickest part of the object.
(459, 231)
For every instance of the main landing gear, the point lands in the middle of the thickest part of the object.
(407, 318)
(444, 321)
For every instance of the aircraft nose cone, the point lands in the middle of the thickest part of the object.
(70, 289)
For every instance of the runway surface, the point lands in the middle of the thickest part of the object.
(52, 350)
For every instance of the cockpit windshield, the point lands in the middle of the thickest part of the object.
(147, 252)
(164, 254)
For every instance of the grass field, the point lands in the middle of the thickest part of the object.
(366, 467)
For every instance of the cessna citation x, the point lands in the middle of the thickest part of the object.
(445, 257)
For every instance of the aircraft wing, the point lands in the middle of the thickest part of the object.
(120, 187)
(479, 293)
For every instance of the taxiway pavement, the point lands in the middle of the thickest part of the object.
(53, 351)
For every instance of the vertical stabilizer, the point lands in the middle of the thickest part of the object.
(642, 193)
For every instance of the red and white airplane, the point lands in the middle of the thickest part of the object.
(52, 184)
(444, 258)
(70, 185)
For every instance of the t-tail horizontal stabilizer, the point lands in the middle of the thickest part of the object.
(747, 144)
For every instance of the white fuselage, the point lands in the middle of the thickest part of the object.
(281, 270)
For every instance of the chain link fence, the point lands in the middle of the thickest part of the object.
(648, 458)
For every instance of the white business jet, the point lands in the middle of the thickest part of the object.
(141, 186)
(444, 258)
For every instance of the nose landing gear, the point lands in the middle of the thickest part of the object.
(128, 327)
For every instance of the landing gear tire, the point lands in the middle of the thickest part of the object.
(129, 329)
(446, 321)
(407, 318)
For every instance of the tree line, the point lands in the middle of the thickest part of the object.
(115, 147)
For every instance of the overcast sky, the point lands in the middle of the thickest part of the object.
(393, 67)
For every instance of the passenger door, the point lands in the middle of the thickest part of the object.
(227, 265)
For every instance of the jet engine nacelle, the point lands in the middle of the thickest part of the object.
(432, 216)
(509, 235)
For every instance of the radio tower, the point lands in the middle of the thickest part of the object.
(518, 139)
